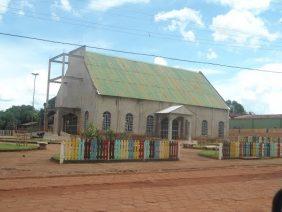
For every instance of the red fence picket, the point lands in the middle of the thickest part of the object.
(87, 145)
(141, 150)
(126, 150)
(112, 150)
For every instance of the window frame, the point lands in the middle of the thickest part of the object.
(86, 119)
(129, 122)
(175, 131)
(150, 125)
(221, 129)
(106, 125)
(205, 128)
(164, 128)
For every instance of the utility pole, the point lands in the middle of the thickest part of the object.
(35, 75)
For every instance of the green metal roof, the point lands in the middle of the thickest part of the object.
(114, 76)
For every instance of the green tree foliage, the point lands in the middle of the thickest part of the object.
(17, 115)
(91, 132)
(236, 108)
(110, 135)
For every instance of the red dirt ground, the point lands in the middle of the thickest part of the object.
(34, 183)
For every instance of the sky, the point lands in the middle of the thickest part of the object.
(233, 32)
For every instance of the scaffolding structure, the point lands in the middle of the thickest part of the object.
(59, 59)
(63, 60)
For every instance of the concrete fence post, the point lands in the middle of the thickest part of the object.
(178, 148)
(144, 151)
(62, 152)
(220, 151)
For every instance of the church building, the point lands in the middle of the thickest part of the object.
(135, 97)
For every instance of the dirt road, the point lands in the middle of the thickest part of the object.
(194, 184)
(231, 190)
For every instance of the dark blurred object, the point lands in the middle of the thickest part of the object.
(277, 202)
(38, 134)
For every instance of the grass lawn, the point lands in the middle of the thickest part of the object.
(15, 147)
(56, 156)
(209, 154)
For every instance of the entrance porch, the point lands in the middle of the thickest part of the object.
(174, 123)
(67, 120)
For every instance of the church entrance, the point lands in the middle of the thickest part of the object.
(70, 123)
(174, 123)
(175, 129)
(164, 128)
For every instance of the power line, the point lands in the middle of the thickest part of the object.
(151, 16)
(128, 31)
(137, 53)
(141, 32)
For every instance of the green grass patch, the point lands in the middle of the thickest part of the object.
(56, 156)
(209, 154)
(16, 147)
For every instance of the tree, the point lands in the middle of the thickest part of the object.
(17, 115)
(236, 108)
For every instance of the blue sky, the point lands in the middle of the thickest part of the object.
(235, 32)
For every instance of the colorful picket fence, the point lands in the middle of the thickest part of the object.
(7, 132)
(78, 149)
(252, 147)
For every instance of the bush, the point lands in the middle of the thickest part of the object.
(110, 135)
(209, 154)
(91, 132)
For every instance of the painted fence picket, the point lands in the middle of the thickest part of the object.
(254, 147)
(92, 149)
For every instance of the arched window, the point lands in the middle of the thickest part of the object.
(175, 129)
(86, 118)
(150, 125)
(129, 122)
(106, 120)
(221, 129)
(204, 127)
(164, 128)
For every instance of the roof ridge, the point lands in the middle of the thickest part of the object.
(115, 76)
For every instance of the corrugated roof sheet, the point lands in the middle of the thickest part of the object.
(114, 76)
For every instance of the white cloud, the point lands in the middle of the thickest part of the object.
(180, 20)
(18, 90)
(54, 16)
(3, 7)
(54, 7)
(242, 23)
(160, 61)
(241, 27)
(66, 5)
(188, 35)
(23, 5)
(16, 81)
(211, 54)
(62, 5)
(103, 5)
(254, 5)
(182, 15)
(260, 92)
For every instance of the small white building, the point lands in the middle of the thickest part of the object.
(137, 97)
